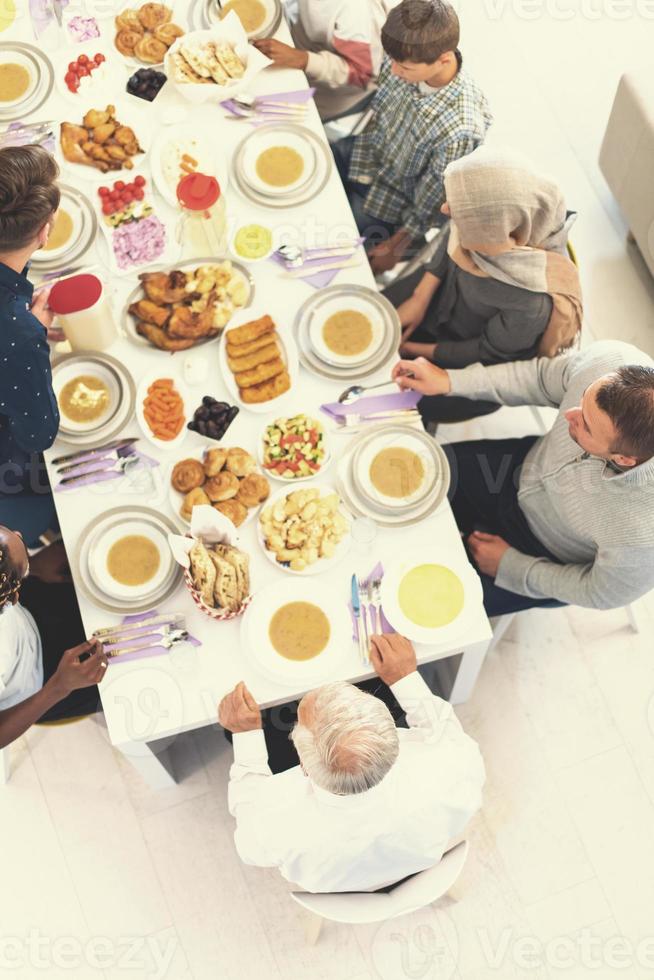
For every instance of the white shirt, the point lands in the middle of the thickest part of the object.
(21, 658)
(324, 843)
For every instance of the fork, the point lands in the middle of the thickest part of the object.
(164, 642)
(363, 591)
(374, 597)
(355, 418)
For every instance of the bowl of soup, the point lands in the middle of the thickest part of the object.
(346, 331)
(88, 393)
(18, 79)
(130, 560)
(279, 160)
(394, 470)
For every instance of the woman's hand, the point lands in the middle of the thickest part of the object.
(282, 55)
(412, 313)
(420, 375)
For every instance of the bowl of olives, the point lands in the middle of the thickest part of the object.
(213, 418)
(146, 83)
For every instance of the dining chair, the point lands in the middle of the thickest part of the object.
(359, 908)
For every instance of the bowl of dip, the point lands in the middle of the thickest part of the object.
(253, 243)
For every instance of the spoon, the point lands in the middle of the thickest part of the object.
(351, 394)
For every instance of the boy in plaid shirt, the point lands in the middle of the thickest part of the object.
(427, 113)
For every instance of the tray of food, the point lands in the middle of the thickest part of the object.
(105, 140)
(224, 478)
(294, 448)
(259, 365)
(305, 531)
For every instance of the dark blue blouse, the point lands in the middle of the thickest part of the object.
(29, 417)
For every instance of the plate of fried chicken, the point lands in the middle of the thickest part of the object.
(104, 142)
(179, 308)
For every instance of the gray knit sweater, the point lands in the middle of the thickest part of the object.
(597, 521)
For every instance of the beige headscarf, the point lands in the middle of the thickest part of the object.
(496, 198)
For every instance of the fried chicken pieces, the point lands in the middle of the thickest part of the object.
(146, 33)
(179, 309)
(254, 358)
(101, 141)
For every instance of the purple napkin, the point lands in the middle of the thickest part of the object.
(321, 279)
(42, 13)
(376, 572)
(147, 651)
(299, 97)
(23, 135)
(396, 400)
(91, 475)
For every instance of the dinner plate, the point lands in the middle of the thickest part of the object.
(388, 437)
(255, 633)
(103, 542)
(102, 84)
(358, 304)
(120, 517)
(114, 426)
(176, 499)
(179, 17)
(261, 142)
(41, 79)
(170, 445)
(128, 323)
(94, 367)
(323, 564)
(291, 481)
(165, 160)
(307, 191)
(205, 13)
(127, 115)
(460, 581)
(288, 356)
(85, 226)
(344, 296)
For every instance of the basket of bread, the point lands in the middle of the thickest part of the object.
(216, 569)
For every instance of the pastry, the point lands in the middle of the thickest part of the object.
(228, 59)
(250, 331)
(254, 489)
(234, 510)
(267, 391)
(187, 475)
(221, 487)
(167, 33)
(241, 564)
(225, 589)
(264, 372)
(194, 55)
(153, 15)
(253, 360)
(183, 73)
(214, 461)
(243, 350)
(216, 70)
(126, 40)
(149, 50)
(203, 572)
(239, 462)
(195, 498)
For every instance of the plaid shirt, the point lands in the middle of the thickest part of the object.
(412, 137)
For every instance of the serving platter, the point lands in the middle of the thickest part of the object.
(85, 226)
(41, 79)
(323, 564)
(210, 160)
(206, 13)
(127, 114)
(297, 673)
(127, 397)
(289, 356)
(176, 497)
(279, 131)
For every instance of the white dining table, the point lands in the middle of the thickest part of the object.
(147, 703)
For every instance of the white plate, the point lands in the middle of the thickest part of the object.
(205, 13)
(255, 632)
(102, 84)
(263, 141)
(100, 550)
(395, 573)
(288, 355)
(114, 426)
(74, 207)
(365, 455)
(359, 304)
(176, 499)
(41, 79)
(127, 115)
(142, 391)
(298, 479)
(95, 368)
(167, 151)
(172, 247)
(179, 17)
(323, 564)
(17, 57)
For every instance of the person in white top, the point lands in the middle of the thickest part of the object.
(369, 804)
(24, 698)
(337, 44)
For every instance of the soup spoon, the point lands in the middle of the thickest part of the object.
(351, 394)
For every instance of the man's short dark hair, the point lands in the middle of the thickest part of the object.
(627, 397)
(420, 31)
(29, 195)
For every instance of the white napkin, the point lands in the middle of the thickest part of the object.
(207, 525)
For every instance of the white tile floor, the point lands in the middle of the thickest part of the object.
(103, 879)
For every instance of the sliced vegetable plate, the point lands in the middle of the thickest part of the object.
(294, 448)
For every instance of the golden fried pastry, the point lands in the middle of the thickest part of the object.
(250, 361)
(129, 21)
(234, 510)
(250, 331)
(242, 350)
(203, 572)
(254, 489)
(167, 33)
(267, 391)
(239, 462)
(183, 73)
(149, 50)
(126, 41)
(193, 499)
(214, 461)
(221, 487)
(153, 15)
(228, 59)
(265, 372)
(187, 474)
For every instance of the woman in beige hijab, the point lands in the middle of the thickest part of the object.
(500, 286)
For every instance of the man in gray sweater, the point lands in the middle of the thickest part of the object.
(567, 517)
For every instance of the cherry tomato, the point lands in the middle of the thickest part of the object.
(104, 191)
(107, 207)
(139, 194)
(126, 197)
(70, 77)
(72, 87)
(139, 181)
(83, 59)
(99, 58)
(83, 71)
(114, 195)
(72, 66)
(119, 185)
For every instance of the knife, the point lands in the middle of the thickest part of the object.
(128, 630)
(356, 609)
(85, 467)
(99, 476)
(306, 271)
(99, 450)
(58, 12)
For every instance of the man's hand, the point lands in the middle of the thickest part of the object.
(412, 350)
(41, 310)
(487, 551)
(282, 55)
(72, 674)
(387, 254)
(51, 564)
(423, 376)
(392, 656)
(411, 313)
(238, 711)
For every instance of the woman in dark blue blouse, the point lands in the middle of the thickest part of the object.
(29, 418)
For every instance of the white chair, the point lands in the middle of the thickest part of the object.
(358, 908)
(5, 767)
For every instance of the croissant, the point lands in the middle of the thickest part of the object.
(149, 50)
(129, 21)
(167, 33)
(127, 39)
(153, 15)
(187, 475)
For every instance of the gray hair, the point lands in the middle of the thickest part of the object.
(352, 742)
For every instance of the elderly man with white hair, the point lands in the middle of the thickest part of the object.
(369, 804)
